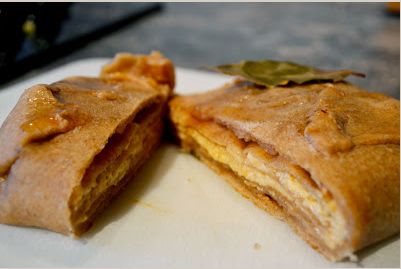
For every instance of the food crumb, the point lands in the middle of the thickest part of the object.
(189, 180)
(352, 257)
(257, 246)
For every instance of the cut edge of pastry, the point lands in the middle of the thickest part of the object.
(268, 188)
(114, 166)
(131, 144)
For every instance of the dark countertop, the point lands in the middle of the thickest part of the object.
(360, 36)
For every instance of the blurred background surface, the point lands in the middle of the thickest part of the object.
(360, 36)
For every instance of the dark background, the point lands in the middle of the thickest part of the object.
(360, 36)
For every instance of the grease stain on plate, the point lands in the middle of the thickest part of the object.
(153, 207)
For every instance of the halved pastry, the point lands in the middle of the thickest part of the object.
(69, 147)
(324, 157)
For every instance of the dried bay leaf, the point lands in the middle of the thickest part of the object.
(275, 73)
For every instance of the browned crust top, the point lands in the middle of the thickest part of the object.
(346, 138)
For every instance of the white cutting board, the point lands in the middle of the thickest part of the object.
(176, 214)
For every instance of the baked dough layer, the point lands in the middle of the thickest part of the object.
(69, 147)
(112, 168)
(314, 155)
(278, 192)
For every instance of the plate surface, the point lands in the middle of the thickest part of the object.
(175, 214)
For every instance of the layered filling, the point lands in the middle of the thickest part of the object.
(309, 207)
(124, 153)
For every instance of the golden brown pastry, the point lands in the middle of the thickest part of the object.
(69, 147)
(324, 157)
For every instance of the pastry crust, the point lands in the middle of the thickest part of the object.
(69, 147)
(326, 155)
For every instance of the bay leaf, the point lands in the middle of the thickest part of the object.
(271, 73)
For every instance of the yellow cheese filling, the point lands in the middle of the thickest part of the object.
(250, 165)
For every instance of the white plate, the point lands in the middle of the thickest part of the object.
(176, 214)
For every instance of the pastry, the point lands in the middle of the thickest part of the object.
(322, 156)
(69, 147)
